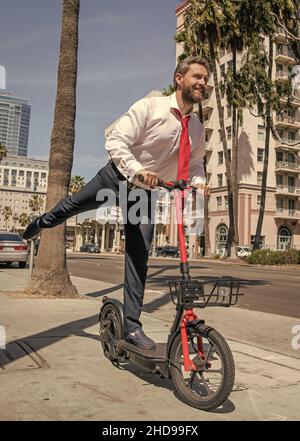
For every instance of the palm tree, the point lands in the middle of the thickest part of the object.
(76, 184)
(36, 203)
(50, 274)
(206, 24)
(7, 214)
(24, 219)
(3, 151)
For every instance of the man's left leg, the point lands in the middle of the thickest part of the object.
(138, 240)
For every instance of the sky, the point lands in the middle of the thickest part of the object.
(126, 49)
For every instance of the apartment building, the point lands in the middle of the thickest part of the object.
(20, 179)
(281, 227)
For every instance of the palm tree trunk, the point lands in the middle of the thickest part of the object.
(260, 219)
(50, 275)
(207, 247)
(224, 143)
(234, 162)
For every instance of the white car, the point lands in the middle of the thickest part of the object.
(243, 251)
(13, 249)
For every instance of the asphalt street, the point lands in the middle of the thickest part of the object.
(273, 290)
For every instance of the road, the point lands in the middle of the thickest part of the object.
(273, 290)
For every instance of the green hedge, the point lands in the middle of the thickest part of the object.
(270, 257)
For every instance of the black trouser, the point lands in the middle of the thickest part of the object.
(138, 237)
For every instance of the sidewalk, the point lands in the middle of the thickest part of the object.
(53, 367)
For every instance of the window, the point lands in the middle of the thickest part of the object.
(230, 64)
(220, 158)
(279, 204)
(229, 155)
(220, 180)
(226, 201)
(258, 200)
(228, 131)
(229, 112)
(279, 181)
(291, 136)
(261, 133)
(279, 68)
(279, 156)
(259, 178)
(260, 155)
(219, 202)
(222, 70)
(220, 135)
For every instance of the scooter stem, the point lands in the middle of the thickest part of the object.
(179, 203)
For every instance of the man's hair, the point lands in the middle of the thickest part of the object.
(184, 65)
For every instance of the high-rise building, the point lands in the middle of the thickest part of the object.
(14, 120)
(281, 226)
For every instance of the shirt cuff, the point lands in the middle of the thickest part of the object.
(198, 180)
(132, 170)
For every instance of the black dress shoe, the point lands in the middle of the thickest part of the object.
(140, 339)
(33, 229)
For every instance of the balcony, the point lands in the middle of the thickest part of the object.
(287, 166)
(287, 190)
(282, 146)
(282, 75)
(284, 55)
(208, 124)
(282, 213)
(207, 105)
(209, 147)
(281, 36)
(287, 121)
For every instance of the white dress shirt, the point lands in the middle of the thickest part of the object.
(147, 137)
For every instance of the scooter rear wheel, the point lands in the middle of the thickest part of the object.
(110, 331)
(211, 384)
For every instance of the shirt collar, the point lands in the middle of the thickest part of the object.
(174, 104)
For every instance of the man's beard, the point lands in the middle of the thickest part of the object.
(187, 95)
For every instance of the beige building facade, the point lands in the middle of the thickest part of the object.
(281, 226)
(20, 179)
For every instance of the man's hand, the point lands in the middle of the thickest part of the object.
(203, 187)
(150, 178)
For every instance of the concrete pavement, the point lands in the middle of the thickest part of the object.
(53, 367)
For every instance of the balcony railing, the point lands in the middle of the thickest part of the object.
(288, 141)
(287, 189)
(287, 165)
(285, 213)
(282, 74)
(284, 51)
(287, 119)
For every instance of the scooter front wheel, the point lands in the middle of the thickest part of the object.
(208, 386)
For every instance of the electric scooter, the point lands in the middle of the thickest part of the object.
(196, 357)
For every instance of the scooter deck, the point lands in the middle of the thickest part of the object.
(157, 353)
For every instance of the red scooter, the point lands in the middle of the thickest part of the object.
(196, 357)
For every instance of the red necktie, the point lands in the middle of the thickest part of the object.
(184, 148)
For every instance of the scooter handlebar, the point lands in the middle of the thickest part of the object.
(180, 184)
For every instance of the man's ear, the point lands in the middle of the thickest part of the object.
(178, 78)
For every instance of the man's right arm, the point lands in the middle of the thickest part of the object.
(125, 134)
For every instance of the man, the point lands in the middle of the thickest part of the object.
(148, 141)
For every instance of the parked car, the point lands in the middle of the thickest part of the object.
(167, 251)
(13, 249)
(242, 251)
(89, 248)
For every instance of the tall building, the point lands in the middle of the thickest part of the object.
(14, 120)
(281, 226)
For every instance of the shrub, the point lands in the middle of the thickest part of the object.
(270, 257)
